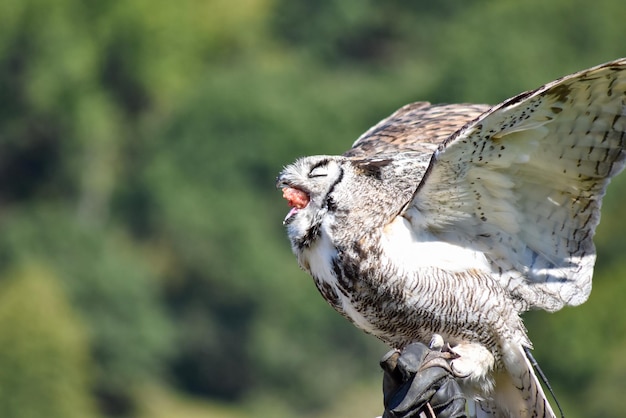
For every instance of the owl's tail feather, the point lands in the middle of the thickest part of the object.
(542, 376)
(517, 392)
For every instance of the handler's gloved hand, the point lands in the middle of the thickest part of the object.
(419, 380)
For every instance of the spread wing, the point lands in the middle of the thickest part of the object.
(523, 183)
(419, 127)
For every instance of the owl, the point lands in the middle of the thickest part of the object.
(454, 219)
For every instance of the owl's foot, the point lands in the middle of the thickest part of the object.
(419, 382)
(443, 355)
(474, 363)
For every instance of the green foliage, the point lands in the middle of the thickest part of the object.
(43, 350)
(139, 142)
(115, 294)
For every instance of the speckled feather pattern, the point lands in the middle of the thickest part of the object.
(454, 219)
(419, 127)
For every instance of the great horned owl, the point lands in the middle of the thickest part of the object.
(454, 219)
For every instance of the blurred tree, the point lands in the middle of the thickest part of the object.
(360, 32)
(128, 334)
(44, 361)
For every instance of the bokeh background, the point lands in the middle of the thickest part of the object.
(144, 270)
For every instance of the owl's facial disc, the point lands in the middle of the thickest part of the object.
(307, 185)
(297, 199)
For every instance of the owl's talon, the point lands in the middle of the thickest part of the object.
(436, 342)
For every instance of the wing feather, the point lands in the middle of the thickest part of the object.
(524, 181)
(418, 127)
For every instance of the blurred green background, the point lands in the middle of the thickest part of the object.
(144, 270)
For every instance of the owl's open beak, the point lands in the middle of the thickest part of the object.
(297, 199)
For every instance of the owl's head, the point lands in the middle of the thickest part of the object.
(344, 197)
(310, 187)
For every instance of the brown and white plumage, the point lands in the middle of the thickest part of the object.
(454, 219)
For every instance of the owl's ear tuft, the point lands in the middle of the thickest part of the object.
(371, 166)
